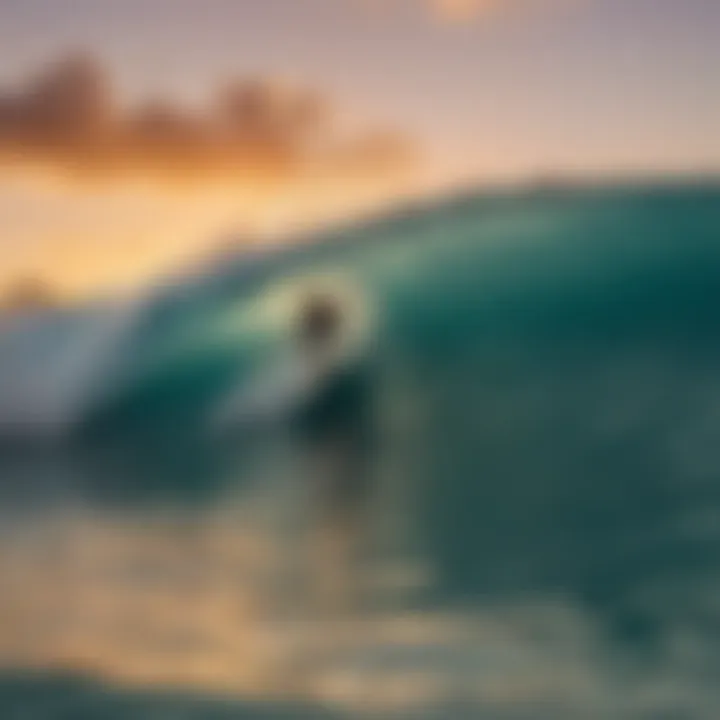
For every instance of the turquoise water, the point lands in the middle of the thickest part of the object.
(551, 406)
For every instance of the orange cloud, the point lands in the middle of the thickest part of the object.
(153, 187)
(67, 119)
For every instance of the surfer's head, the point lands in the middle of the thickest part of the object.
(320, 321)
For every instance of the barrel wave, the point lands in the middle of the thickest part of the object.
(551, 383)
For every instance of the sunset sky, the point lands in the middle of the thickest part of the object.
(421, 92)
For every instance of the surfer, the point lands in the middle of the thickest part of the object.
(334, 426)
(326, 402)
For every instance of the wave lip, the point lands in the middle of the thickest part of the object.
(52, 368)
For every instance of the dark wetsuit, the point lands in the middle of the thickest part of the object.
(338, 418)
(328, 407)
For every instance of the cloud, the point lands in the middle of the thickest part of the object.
(67, 119)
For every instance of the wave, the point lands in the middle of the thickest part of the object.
(589, 268)
(551, 406)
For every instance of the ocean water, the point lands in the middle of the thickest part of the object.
(545, 539)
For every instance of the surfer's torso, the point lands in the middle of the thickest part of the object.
(338, 405)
